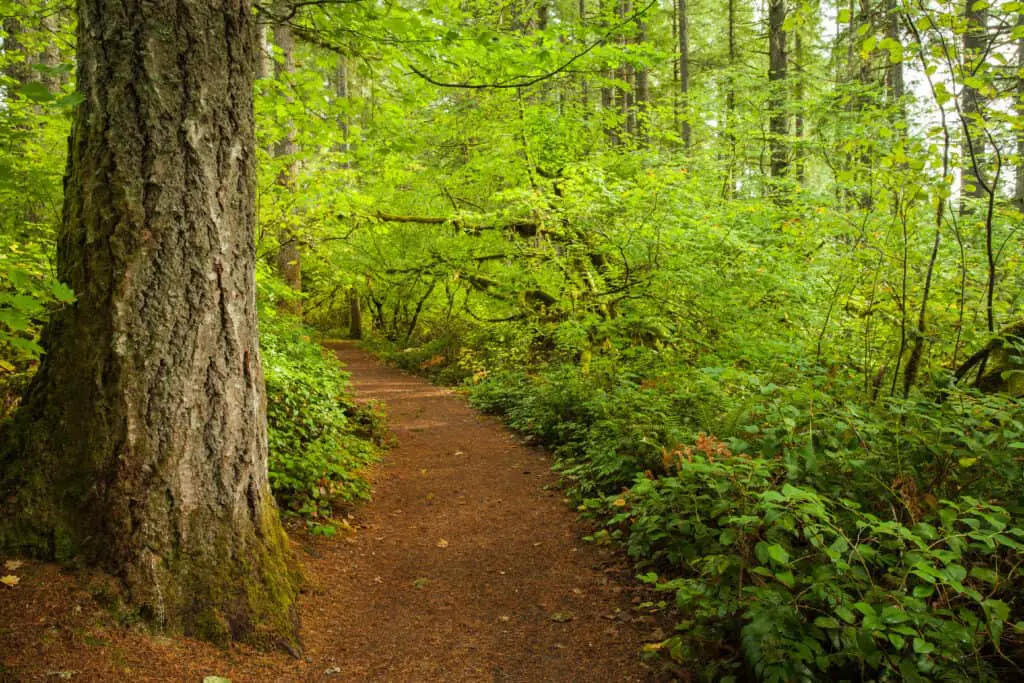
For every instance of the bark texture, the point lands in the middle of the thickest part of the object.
(778, 65)
(141, 446)
(973, 154)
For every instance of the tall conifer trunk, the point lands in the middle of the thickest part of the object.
(778, 64)
(683, 33)
(141, 446)
(975, 41)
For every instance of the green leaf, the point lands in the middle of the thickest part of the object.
(846, 614)
(786, 578)
(61, 292)
(922, 646)
(826, 622)
(893, 615)
(35, 91)
(778, 554)
(865, 609)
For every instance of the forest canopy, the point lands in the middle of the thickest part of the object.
(751, 269)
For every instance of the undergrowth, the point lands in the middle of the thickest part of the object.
(797, 533)
(321, 440)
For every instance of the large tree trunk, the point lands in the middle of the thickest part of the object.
(141, 446)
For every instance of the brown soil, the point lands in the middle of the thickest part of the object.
(467, 566)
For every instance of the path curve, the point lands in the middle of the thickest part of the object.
(468, 566)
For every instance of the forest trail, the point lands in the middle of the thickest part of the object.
(467, 566)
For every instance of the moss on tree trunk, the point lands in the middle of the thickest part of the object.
(141, 446)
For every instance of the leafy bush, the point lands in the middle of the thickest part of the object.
(320, 439)
(820, 539)
(815, 588)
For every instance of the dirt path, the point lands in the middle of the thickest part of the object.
(513, 596)
(467, 566)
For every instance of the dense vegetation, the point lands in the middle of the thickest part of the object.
(751, 269)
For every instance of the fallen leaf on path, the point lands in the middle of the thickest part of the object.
(420, 583)
(562, 617)
(657, 635)
(504, 617)
(378, 579)
(216, 679)
(442, 543)
(11, 565)
(10, 580)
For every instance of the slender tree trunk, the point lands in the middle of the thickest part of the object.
(51, 57)
(778, 60)
(627, 94)
(643, 92)
(584, 85)
(289, 256)
(264, 58)
(972, 150)
(729, 187)
(1018, 191)
(141, 446)
(355, 318)
(609, 9)
(894, 82)
(19, 72)
(684, 71)
(798, 117)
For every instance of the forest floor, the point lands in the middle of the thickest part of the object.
(468, 565)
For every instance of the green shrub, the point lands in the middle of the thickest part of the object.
(320, 440)
(814, 588)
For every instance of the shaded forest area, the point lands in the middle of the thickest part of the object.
(751, 270)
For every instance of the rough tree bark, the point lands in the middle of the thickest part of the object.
(141, 446)
(894, 81)
(778, 59)
(975, 41)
